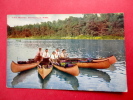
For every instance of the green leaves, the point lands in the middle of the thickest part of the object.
(111, 24)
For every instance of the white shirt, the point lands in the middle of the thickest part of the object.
(46, 55)
(63, 55)
(57, 53)
(53, 56)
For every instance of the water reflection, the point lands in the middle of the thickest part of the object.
(44, 81)
(111, 68)
(72, 80)
(95, 73)
(22, 76)
(67, 78)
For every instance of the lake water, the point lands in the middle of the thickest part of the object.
(111, 79)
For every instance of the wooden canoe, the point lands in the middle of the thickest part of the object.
(97, 65)
(70, 70)
(112, 59)
(44, 71)
(22, 67)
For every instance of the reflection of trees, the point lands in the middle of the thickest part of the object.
(94, 72)
(22, 76)
(72, 80)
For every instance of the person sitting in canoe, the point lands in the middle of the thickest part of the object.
(38, 56)
(63, 54)
(57, 51)
(46, 54)
(54, 58)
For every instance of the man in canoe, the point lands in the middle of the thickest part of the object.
(63, 54)
(46, 54)
(38, 56)
(54, 58)
(57, 51)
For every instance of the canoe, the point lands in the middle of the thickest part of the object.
(22, 67)
(112, 59)
(97, 65)
(70, 70)
(44, 71)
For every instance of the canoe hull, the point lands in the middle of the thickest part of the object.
(112, 60)
(44, 71)
(21, 67)
(70, 70)
(96, 65)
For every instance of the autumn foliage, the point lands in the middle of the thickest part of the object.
(90, 25)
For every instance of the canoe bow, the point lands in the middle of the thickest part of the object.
(22, 67)
(44, 71)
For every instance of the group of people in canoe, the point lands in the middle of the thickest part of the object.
(52, 57)
(58, 58)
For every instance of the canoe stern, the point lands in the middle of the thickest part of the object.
(112, 59)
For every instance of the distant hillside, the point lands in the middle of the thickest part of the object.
(90, 25)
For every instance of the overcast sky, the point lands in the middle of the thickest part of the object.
(20, 20)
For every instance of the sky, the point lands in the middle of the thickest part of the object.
(20, 20)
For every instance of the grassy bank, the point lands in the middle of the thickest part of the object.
(75, 37)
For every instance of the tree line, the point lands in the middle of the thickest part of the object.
(111, 24)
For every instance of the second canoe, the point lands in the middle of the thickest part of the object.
(44, 71)
(70, 70)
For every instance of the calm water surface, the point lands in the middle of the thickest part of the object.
(111, 79)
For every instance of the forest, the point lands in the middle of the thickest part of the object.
(90, 26)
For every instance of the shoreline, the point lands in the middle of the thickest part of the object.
(69, 37)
